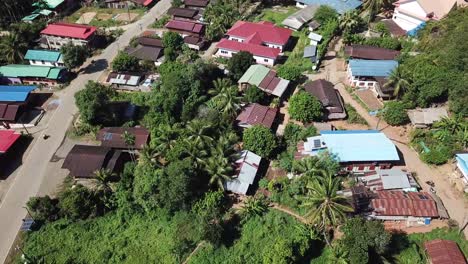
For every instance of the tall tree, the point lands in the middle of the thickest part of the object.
(220, 86)
(397, 80)
(326, 209)
(351, 21)
(74, 56)
(13, 47)
(219, 170)
(129, 140)
(373, 7)
(239, 63)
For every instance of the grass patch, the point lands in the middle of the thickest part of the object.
(275, 14)
(295, 57)
(104, 16)
(353, 116)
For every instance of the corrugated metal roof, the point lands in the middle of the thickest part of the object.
(360, 145)
(426, 116)
(372, 68)
(43, 55)
(298, 19)
(315, 36)
(370, 52)
(256, 114)
(8, 111)
(398, 203)
(15, 93)
(254, 74)
(7, 139)
(247, 170)
(310, 51)
(394, 179)
(462, 163)
(444, 252)
(20, 70)
(341, 6)
(113, 137)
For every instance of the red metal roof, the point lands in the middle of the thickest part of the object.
(257, 50)
(261, 31)
(69, 30)
(270, 82)
(256, 114)
(7, 139)
(147, 2)
(397, 203)
(370, 52)
(444, 252)
(185, 26)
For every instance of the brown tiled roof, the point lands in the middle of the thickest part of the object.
(146, 41)
(370, 52)
(83, 161)
(113, 137)
(444, 252)
(326, 93)
(141, 52)
(256, 114)
(197, 3)
(182, 12)
(397, 203)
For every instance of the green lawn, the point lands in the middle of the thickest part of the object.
(295, 57)
(276, 14)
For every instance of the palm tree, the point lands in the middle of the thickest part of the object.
(219, 170)
(220, 86)
(199, 132)
(397, 80)
(228, 102)
(350, 21)
(305, 165)
(164, 137)
(102, 180)
(452, 124)
(373, 7)
(13, 47)
(129, 140)
(327, 209)
(196, 152)
(152, 156)
(253, 206)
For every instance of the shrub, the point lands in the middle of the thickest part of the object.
(43, 208)
(239, 63)
(325, 13)
(394, 113)
(305, 107)
(289, 72)
(260, 140)
(161, 22)
(125, 62)
(77, 203)
(353, 116)
(435, 157)
(253, 95)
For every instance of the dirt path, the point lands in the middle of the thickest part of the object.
(453, 200)
(289, 212)
(199, 246)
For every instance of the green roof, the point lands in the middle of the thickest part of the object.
(17, 70)
(30, 17)
(254, 75)
(51, 3)
(43, 55)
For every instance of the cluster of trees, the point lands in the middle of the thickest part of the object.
(305, 107)
(14, 45)
(12, 11)
(220, 16)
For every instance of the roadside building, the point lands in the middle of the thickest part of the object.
(185, 14)
(263, 40)
(128, 3)
(265, 79)
(371, 74)
(389, 179)
(412, 207)
(196, 4)
(7, 140)
(440, 251)
(44, 58)
(297, 20)
(329, 97)
(256, 114)
(186, 28)
(246, 171)
(14, 101)
(32, 74)
(49, 8)
(341, 6)
(425, 117)
(125, 80)
(370, 53)
(358, 151)
(113, 137)
(83, 161)
(56, 35)
(195, 43)
(148, 49)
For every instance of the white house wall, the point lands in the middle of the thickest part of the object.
(258, 59)
(45, 63)
(409, 15)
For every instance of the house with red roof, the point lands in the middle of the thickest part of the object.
(54, 36)
(263, 39)
(256, 114)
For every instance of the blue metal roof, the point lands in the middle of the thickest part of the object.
(341, 6)
(360, 145)
(462, 160)
(15, 93)
(372, 68)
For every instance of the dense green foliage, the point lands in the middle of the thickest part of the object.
(324, 14)
(74, 56)
(124, 62)
(239, 63)
(305, 107)
(92, 104)
(290, 72)
(253, 95)
(394, 113)
(220, 16)
(260, 140)
(22, 36)
(172, 40)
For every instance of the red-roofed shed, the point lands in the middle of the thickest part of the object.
(256, 114)
(444, 252)
(7, 139)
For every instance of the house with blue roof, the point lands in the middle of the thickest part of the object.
(371, 74)
(341, 6)
(462, 165)
(356, 150)
(44, 58)
(12, 93)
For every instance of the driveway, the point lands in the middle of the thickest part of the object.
(452, 199)
(34, 171)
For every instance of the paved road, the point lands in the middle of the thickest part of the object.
(32, 173)
(453, 200)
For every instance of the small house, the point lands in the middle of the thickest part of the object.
(366, 73)
(184, 14)
(186, 28)
(32, 74)
(127, 3)
(256, 114)
(297, 20)
(314, 38)
(422, 118)
(358, 151)
(310, 52)
(44, 58)
(330, 98)
(370, 53)
(83, 160)
(265, 79)
(264, 40)
(389, 179)
(148, 49)
(195, 43)
(113, 137)
(196, 4)
(341, 6)
(440, 251)
(125, 80)
(246, 171)
(56, 35)
(14, 101)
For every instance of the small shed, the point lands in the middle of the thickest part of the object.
(298, 19)
(311, 53)
(315, 38)
(124, 78)
(442, 251)
(313, 25)
(246, 168)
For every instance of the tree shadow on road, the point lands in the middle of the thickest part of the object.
(97, 66)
